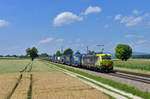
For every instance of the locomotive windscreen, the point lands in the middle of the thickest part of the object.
(106, 57)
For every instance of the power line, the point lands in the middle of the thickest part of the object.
(101, 47)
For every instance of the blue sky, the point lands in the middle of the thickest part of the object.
(52, 24)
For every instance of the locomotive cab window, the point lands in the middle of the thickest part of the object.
(106, 57)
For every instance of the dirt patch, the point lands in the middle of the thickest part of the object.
(7, 82)
(21, 91)
(61, 86)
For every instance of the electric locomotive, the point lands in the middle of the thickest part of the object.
(100, 61)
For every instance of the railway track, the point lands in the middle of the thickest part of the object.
(121, 74)
(131, 77)
(133, 73)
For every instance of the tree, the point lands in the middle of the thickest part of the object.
(44, 55)
(14, 55)
(58, 53)
(33, 53)
(123, 52)
(28, 51)
(77, 52)
(68, 51)
(7, 55)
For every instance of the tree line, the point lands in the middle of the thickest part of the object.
(122, 51)
(141, 56)
(68, 51)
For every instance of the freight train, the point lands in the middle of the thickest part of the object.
(100, 61)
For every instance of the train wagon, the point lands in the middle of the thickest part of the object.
(68, 60)
(98, 61)
(63, 59)
(76, 59)
(58, 59)
(54, 58)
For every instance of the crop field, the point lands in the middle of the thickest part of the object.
(136, 64)
(22, 89)
(7, 82)
(64, 87)
(12, 66)
(23, 79)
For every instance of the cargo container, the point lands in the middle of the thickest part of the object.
(76, 59)
(63, 59)
(68, 60)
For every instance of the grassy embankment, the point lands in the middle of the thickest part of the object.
(114, 84)
(133, 65)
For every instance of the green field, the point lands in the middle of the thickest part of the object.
(14, 66)
(138, 64)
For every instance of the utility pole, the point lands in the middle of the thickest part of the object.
(61, 49)
(87, 49)
(101, 46)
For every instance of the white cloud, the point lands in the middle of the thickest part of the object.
(136, 12)
(129, 20)
(106, 26)
(3, 23)
(133, 36)
(69, 17)
(126, 19)
(66, 18)
(118, 17)
(91, 9)
(142, 41)
(146, 15)
(134, 21)
(59, 40)
(78, 40)
(139, 42)
(46, 40)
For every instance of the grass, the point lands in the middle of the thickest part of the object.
(14, 66)
(114, 84)
(11, 58)
(110, 97)
(138, 64)
(39, 66)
